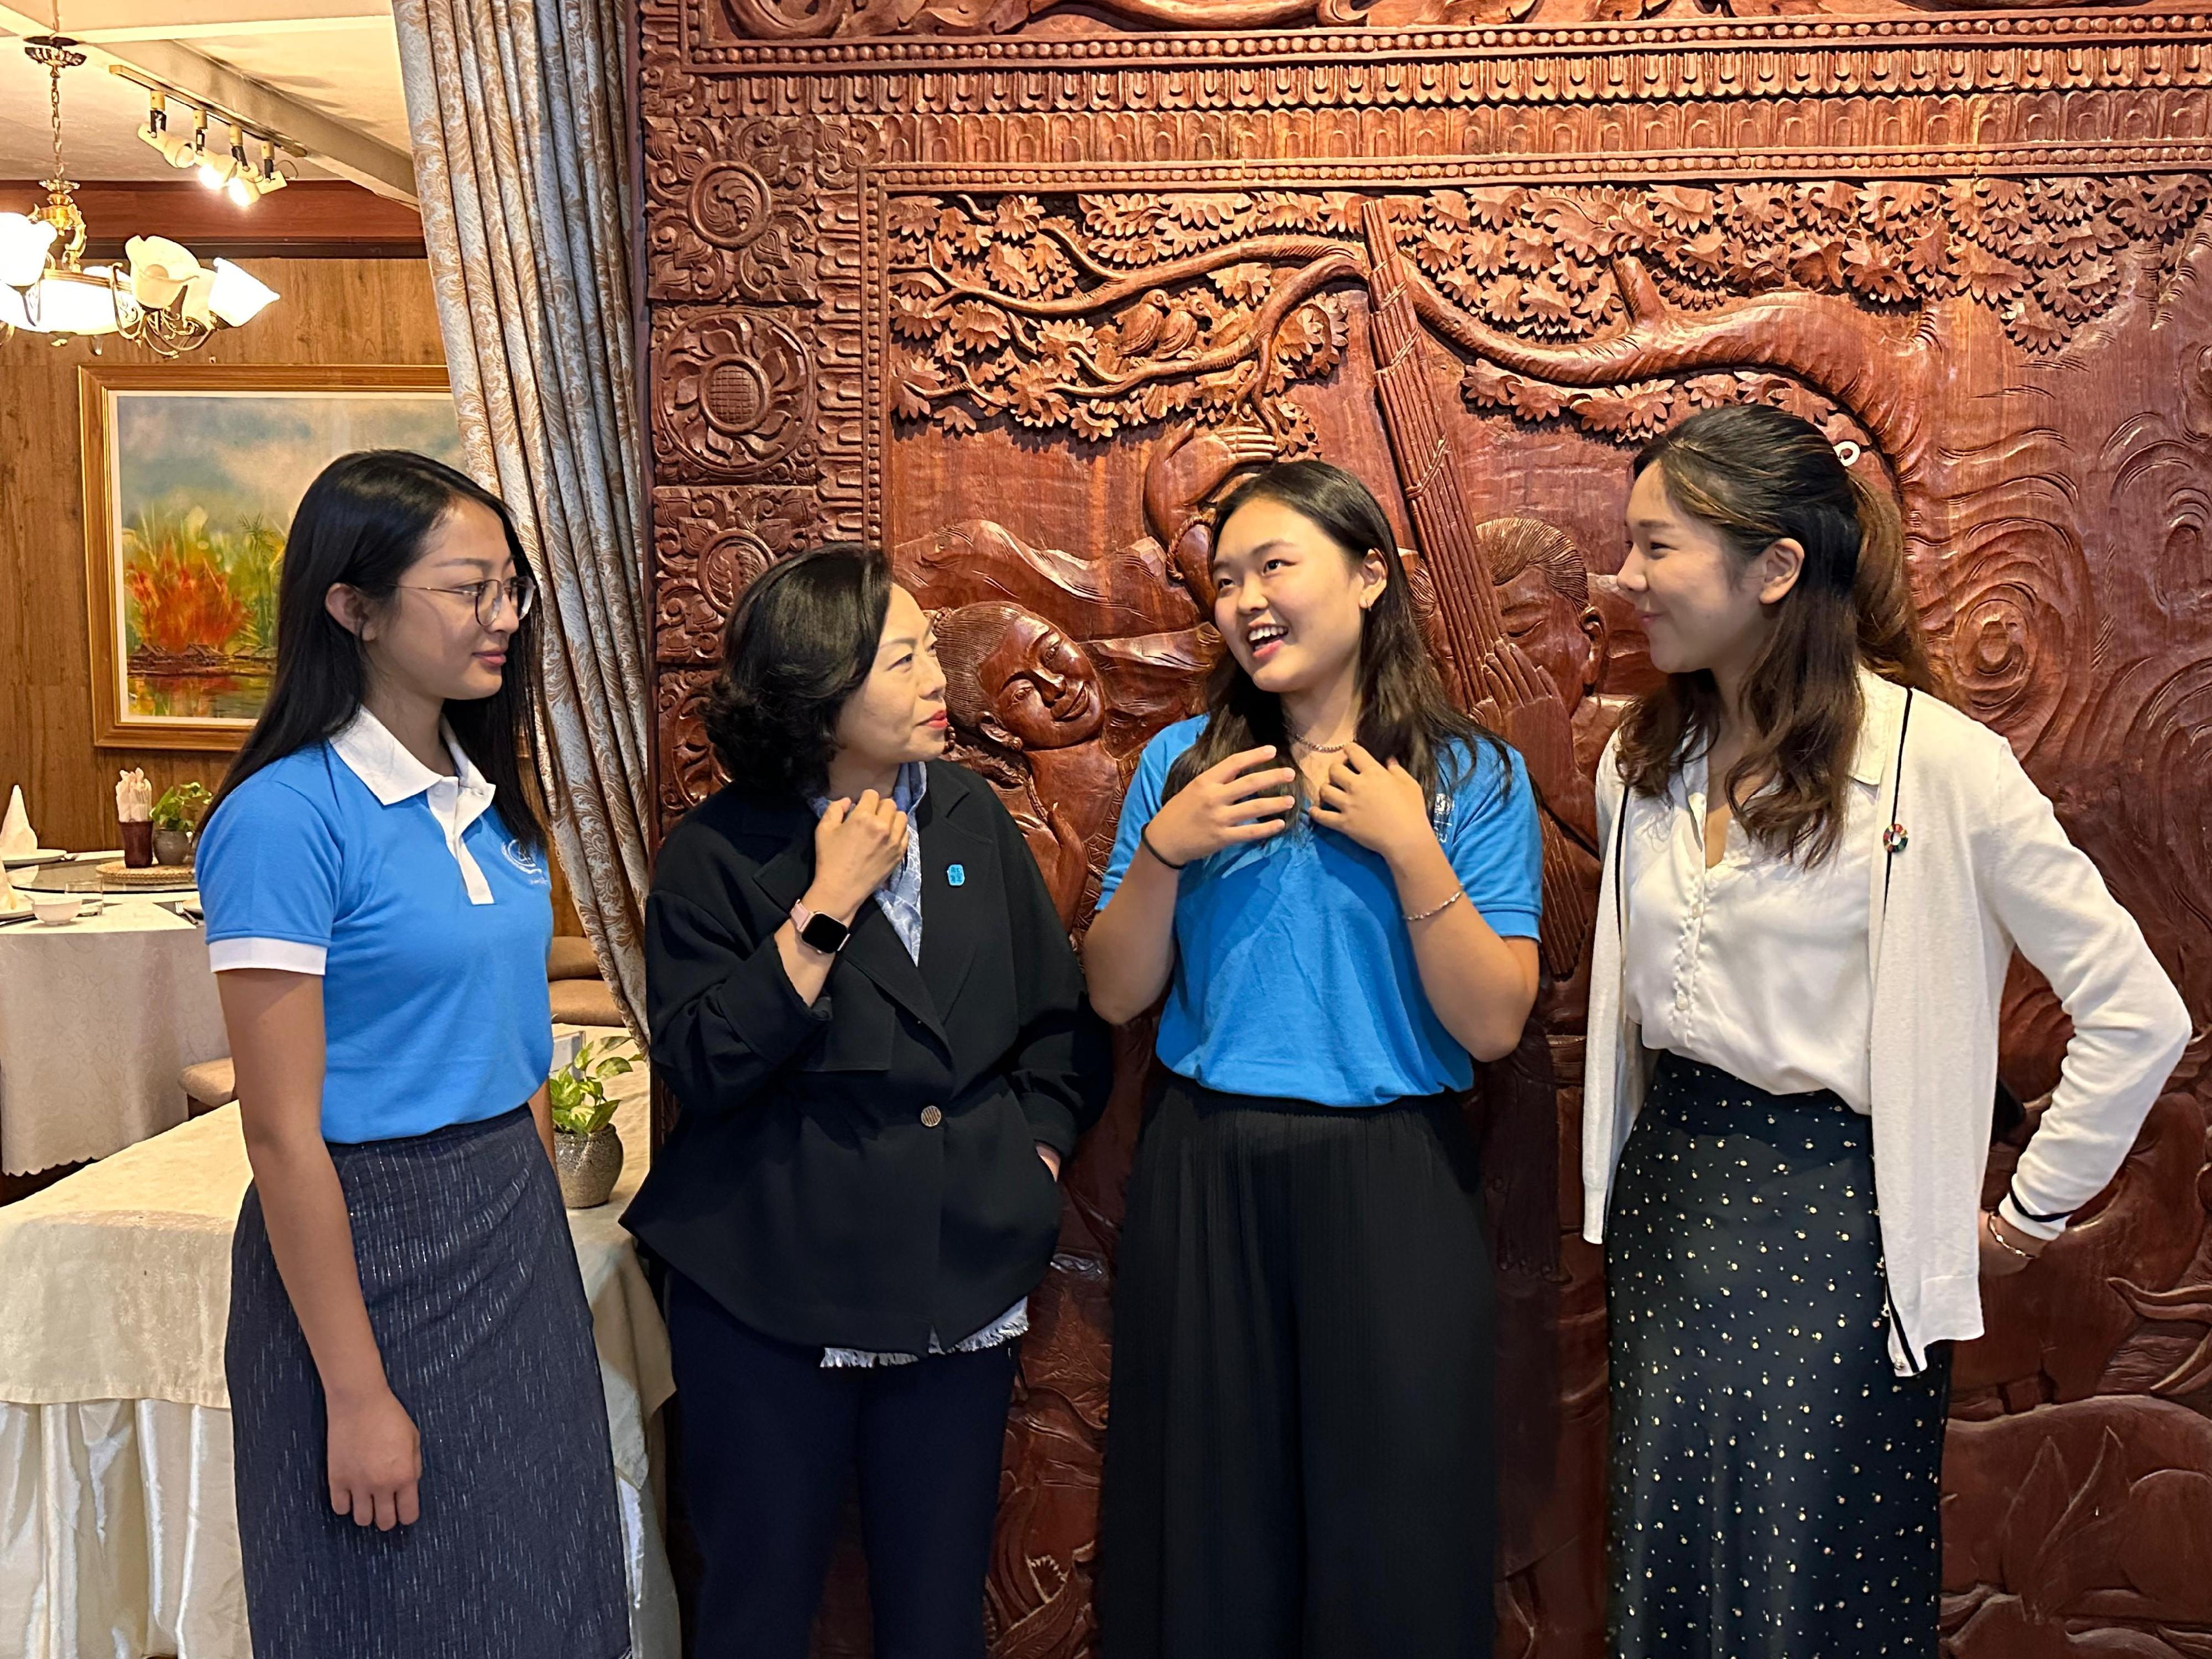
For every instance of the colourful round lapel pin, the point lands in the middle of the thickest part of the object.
(1893, 839)
(955, 875)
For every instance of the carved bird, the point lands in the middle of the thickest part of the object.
(1141, 324)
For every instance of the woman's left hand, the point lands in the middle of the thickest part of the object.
(1051, 1158)
(1998, 1262)
(1383, 808)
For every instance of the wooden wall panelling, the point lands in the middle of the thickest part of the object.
(330, 311)
(313, 219)
(1009, 288)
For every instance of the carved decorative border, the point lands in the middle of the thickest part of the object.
(1505, 45)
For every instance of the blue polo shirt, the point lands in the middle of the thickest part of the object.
(427, 920)
(1294, 973)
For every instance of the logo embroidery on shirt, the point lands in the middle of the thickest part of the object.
(526, 862)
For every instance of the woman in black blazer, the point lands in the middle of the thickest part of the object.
(877, 1036)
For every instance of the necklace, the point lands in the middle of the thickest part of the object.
(1305, 742)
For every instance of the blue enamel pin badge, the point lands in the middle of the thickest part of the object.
(955, 875)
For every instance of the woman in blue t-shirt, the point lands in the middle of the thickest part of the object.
(420, 1443)
(1301, 1457)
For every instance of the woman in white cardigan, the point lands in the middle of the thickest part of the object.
(1817, 873)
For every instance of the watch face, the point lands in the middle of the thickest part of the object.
(825, 933)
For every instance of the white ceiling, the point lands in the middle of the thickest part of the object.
(332, 64)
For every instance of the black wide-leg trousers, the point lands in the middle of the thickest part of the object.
(1299, 1461)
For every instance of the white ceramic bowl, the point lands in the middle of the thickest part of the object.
(57, 909)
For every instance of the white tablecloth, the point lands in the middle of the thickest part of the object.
(118, 1532)
(97, 1017)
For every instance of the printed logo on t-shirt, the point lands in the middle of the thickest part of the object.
(1440, 814)
(525, 861)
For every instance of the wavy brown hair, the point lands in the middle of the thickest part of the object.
(1404, 713)
(1756, 475)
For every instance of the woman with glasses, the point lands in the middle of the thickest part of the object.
(420, 1443)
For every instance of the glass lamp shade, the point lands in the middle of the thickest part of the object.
(236, 297)
(23, 244)
(159, 269)
(62, 302)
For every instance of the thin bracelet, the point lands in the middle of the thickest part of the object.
(1457, 895)
(2004, 1243)
(1145, 840)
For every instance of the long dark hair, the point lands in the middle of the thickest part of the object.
(801, 641)
(1758, 475)
(362, 523)
(1404, 713)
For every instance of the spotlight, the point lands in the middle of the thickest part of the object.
(189, 152)
(271, 176)
(215, 173)
(156, 130)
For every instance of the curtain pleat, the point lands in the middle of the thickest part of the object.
(519, 113)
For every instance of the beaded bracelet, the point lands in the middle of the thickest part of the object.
(2004, 1243)
(1457, 895)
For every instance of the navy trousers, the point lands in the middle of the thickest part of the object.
(772, 1444)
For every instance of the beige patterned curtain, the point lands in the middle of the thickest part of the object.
(519, 116)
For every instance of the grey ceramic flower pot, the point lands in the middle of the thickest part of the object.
(589, 1165)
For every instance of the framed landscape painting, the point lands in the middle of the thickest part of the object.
(191, 472)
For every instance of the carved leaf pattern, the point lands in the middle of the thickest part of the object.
(1037, 310)
(991, 294)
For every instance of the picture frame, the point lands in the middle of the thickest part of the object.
(191, 472)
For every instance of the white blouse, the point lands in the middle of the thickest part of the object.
(1759, 965)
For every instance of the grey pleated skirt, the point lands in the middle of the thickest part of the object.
(1775, 1485)
(478, 1310)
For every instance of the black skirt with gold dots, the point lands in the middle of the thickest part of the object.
(1775, 1484)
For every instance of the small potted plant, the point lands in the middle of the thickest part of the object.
(586, 1152)
(177, 821)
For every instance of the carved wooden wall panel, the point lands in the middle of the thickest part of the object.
(1012, 287)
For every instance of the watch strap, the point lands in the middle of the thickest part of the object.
(822, 932)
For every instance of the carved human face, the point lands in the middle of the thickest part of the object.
(1568, 644)
(1288, 600)
(898, 713)
(1042, 688)
(1701, 604)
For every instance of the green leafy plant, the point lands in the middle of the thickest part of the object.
(181, 806)
(581, 1106)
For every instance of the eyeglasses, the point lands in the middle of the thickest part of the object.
(485, 595)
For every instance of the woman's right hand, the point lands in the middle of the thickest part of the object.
(857, 845)
(375, 1459)
(1222, 806)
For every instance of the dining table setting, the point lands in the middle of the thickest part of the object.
(106, 995)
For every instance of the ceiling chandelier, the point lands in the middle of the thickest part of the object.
(160, 298)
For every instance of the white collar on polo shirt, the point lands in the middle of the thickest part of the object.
(382, 761)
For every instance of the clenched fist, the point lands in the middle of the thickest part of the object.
(857, 845)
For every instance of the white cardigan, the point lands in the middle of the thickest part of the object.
(1985, 868)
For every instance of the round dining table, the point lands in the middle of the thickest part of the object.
(98, 1016)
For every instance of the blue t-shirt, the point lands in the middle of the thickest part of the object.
(435, 1010)
(1294, 973)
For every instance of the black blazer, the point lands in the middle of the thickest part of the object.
(862, 1172)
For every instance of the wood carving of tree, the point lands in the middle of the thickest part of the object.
(1619, 308)
(1097, 315)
